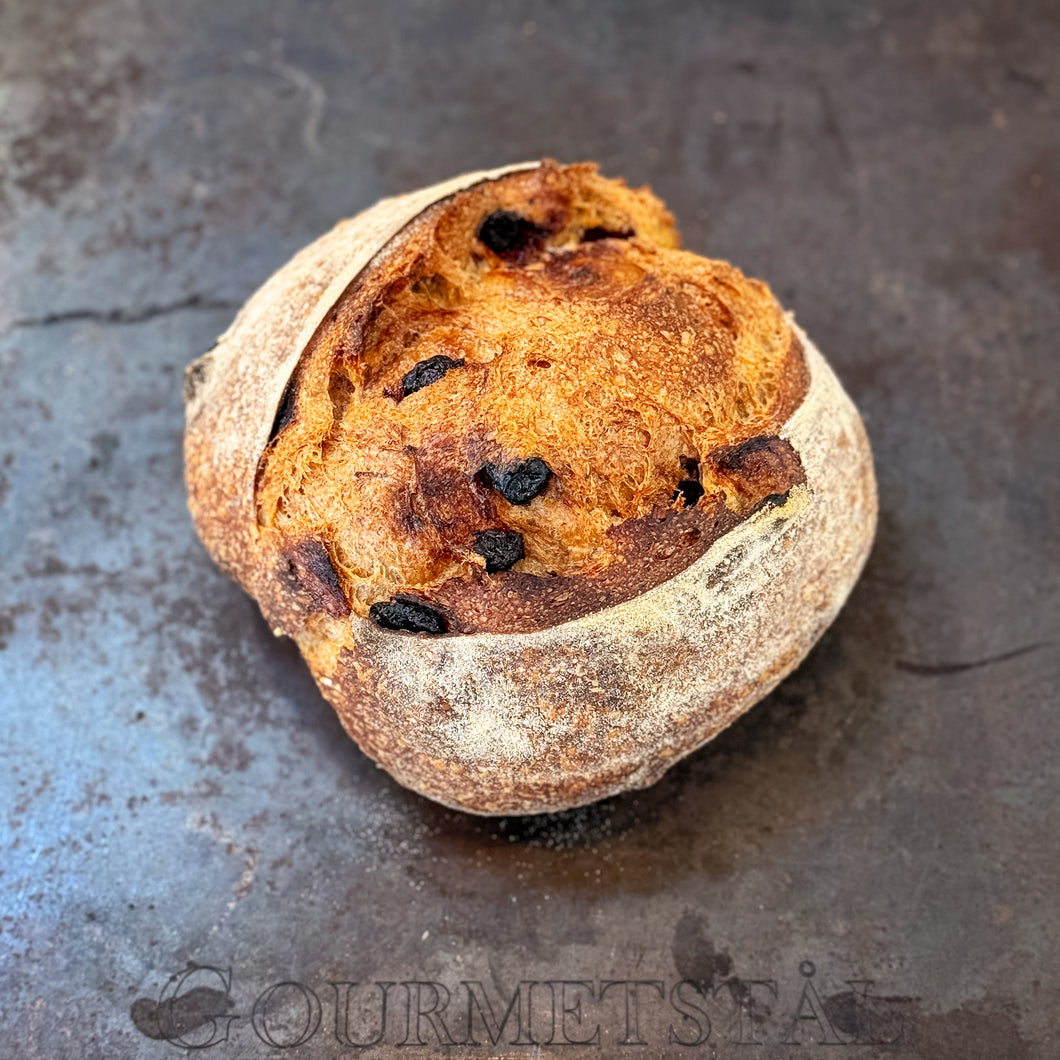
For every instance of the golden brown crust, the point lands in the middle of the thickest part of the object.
(604, 692)
(589, 343)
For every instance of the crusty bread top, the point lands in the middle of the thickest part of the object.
(553, 320)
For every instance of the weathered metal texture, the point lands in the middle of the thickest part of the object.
(177, 791)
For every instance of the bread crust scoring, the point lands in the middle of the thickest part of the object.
(537, 709)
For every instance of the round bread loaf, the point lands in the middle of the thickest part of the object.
(546, 501)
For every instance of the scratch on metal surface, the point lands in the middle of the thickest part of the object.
(226, 838)
(314, 90)
(122, 315)
(943, 668)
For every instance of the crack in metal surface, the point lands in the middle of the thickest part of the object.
(941, 669)
(124, 316)
(316, 95)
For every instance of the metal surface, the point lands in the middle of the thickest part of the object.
(177, 791)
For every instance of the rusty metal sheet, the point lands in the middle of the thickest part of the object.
(193, 854)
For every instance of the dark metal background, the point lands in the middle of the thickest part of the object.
(175, 789)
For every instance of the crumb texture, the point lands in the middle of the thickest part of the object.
(537, 362)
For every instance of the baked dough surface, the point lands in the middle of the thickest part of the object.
(689, 604)
(555, 320)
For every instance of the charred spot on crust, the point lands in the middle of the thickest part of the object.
(774, 500)
(407, 616)
(441, 501)
(761, 468)
(509, 234)
(501, 549)
(757, 457)
(734, 457)
(285, 413)
(583, 275)
(427, 372)
(689, 491)
(591, 235)
(518, 483)
(309, 570)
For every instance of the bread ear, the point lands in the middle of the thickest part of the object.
(232, 393)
